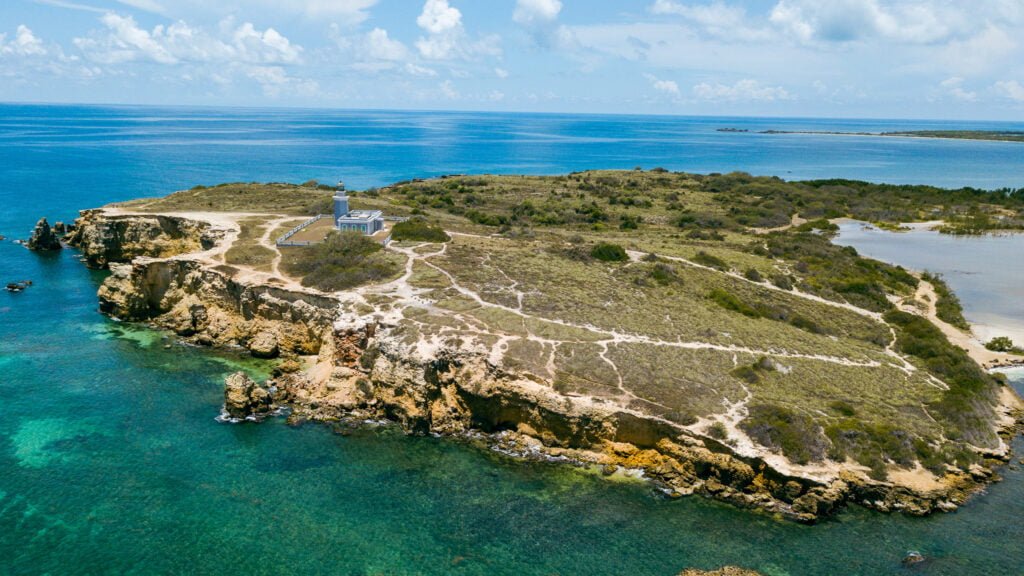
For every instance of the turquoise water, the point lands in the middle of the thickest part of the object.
(111, 460)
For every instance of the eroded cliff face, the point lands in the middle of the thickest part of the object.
(373, 369)
(369, 372)
(104, 238)
(209, 307)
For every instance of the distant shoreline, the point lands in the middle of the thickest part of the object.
(975, 135)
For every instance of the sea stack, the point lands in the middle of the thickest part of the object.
(243, 397)
(43, 237)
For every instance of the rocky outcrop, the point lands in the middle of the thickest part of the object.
(43, 238)
(243, 398)
(105, 239)
(208, 307)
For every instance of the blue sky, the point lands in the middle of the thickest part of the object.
(848, 58)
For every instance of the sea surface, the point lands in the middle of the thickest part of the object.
(111, 461)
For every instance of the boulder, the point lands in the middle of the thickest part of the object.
(264, 345)
(244, 398)
(43, 237)
(59, 228)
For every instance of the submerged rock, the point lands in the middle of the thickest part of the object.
(913, 557)
(43, 237)
(244, 398)
(726, 571)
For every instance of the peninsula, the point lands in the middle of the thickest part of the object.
(701, 329)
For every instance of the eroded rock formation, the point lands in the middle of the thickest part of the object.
(244, 398)
(43, 237)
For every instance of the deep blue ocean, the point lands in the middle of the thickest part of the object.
(111, 461)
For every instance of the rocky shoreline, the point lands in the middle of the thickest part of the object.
(338, 369)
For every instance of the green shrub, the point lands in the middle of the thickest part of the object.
(711, 261)
(796, 435)
(343, 260)
(419, 230)
(1001, 344)
(730, 301)
(718, 431)
(966, 408)
(753, 275)
(608, 252)
(947, 306)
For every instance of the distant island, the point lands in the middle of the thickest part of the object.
(998, 135)
(702, 329)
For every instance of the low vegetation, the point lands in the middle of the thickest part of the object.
(947, 305)
(305, 199)
(1003, 344)
(419, 230)
(343, 260)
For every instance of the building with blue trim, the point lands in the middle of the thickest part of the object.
(367, 222)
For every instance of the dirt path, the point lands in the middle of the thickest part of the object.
(794, 221)
(975, 348)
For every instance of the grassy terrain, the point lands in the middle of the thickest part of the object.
(307, 199)
(247, 250)
(668, 294)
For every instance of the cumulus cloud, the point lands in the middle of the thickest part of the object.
(530, 12)
(439, 17)
(665, 86)
(1010, 89)
(743, 90)
(377, 45)
(124, 41)
(24, 43)
(446, 38)
(954, 87)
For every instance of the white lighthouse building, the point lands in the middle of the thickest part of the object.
(367, 222)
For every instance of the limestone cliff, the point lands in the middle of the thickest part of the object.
(104, 238)
(209, 307)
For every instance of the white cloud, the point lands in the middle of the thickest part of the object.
(1010, 89)
(446, 38)
(379, 46)
(954, 86)
(438, 17)
(275, 81)
(125, 41)
(501, 73)
(24, 43)
(717, 19)
(904, 21)
(980, 53)
(422, 71)
(743, 90)
(529, 12)
(667, 86)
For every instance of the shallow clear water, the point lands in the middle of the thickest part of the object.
(986, 272)
(111, 460)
